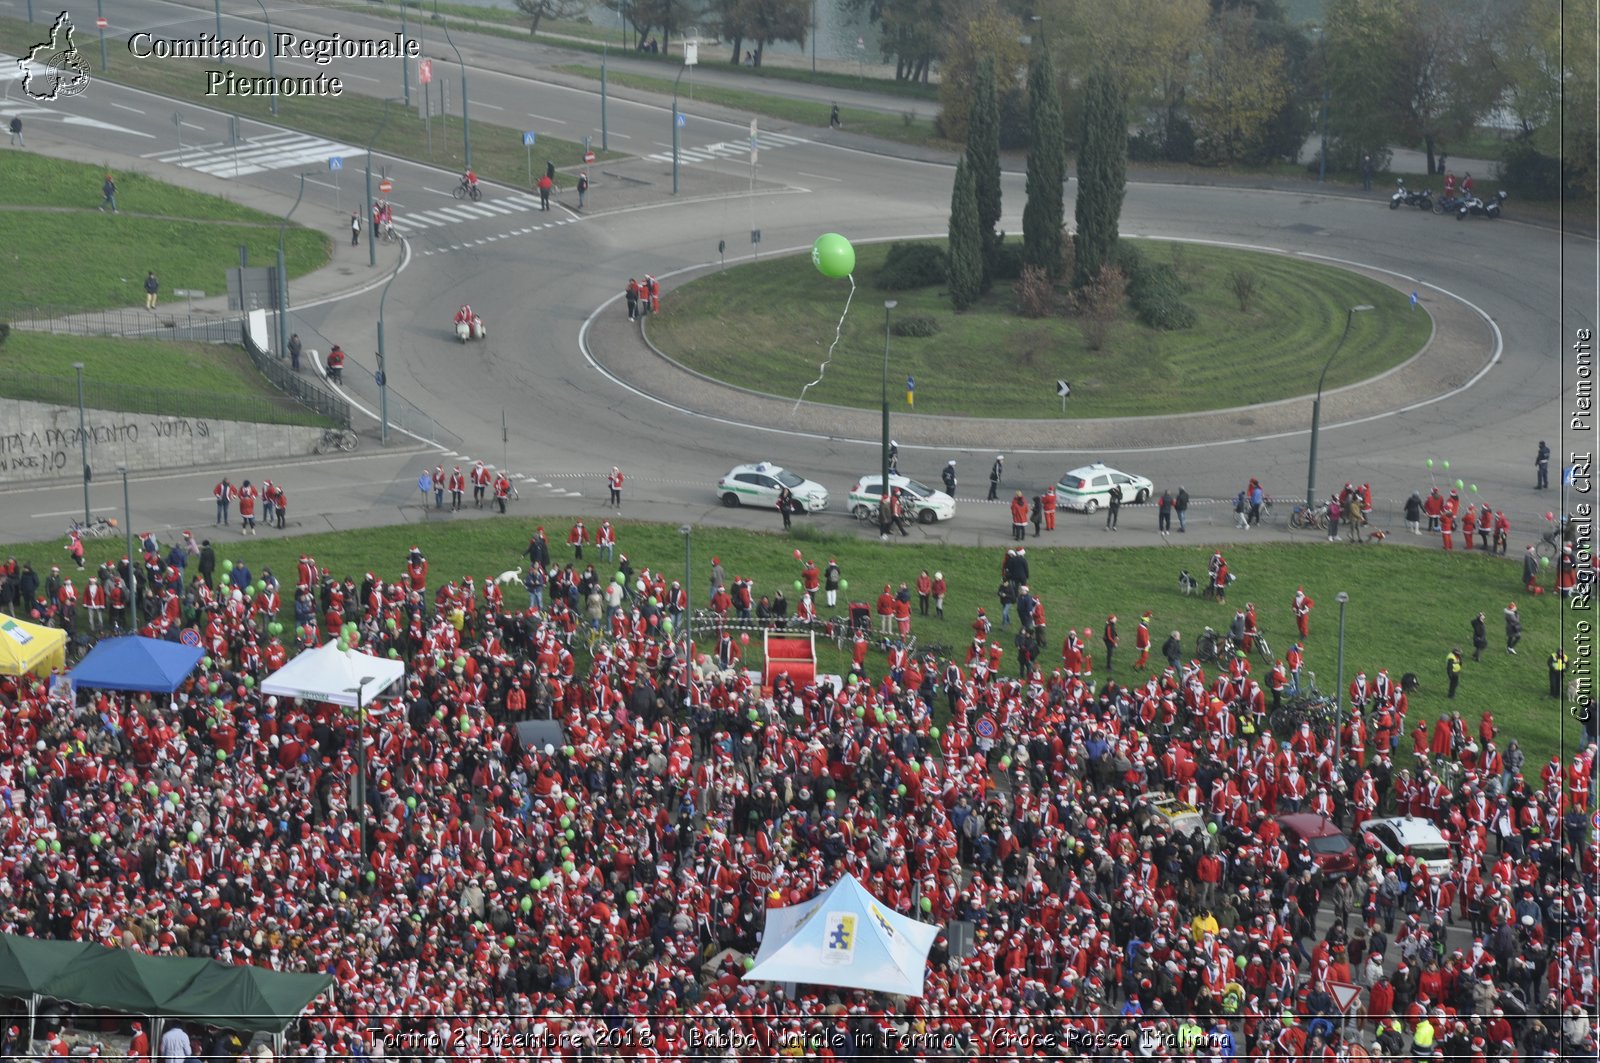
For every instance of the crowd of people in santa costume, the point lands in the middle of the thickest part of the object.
(604, 893)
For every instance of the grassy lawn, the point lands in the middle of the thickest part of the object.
(497, 151)
(99, 260)
(209, 380)
(1395, 620)
(854, 120)
(767, 327)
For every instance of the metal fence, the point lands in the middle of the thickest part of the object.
(163, 323)
(304, 387)
(167, 402)
(404, 414)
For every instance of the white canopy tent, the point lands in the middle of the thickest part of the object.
(844, 937)
(333, 675)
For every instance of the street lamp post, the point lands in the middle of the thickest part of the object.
(686, 530)
(217, 6)
(100, 11)
(133, 568)
(1316, 405)
(888, 308)
(83, 445)
(361, 766)
(272, 65)
(283, 275)
(605, 131)
(382, 378)
(675, 128)
(405, 56)
(372, 243)
(466, 120)
(1338, 723)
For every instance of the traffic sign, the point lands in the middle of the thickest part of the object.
(102, 22)
(985, 727)
(1596, 820)
(1344, 995)
(761, 875)
(1063, 388)
(683, 120)
(588, 156)
(335, 162)
(189, 637)
(425, 71)
(385, 186)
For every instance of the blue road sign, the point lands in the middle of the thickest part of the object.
(335, 162)
(528, 138)
(683, 120)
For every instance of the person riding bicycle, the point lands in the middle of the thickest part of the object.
(469, 179)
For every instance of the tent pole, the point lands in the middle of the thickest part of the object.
(33, 1019)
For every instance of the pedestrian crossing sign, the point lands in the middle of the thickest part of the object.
(335, 162)
(528, 138)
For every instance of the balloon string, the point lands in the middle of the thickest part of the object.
(837, 332)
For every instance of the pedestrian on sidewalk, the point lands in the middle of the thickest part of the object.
(109, 191)
(355, 228)
(546, 183)
(633, 299)
(1366, 173)
(151, 288)
(583, 187)
(995, 472)
(295, 350)
(16, 132)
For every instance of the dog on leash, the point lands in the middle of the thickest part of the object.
(1377, 535)
(1187, 583)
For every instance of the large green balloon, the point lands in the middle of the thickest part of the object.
(833, 256)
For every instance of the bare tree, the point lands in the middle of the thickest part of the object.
(539, 10)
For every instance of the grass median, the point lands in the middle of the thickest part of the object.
(767, 326)
(1396, 619)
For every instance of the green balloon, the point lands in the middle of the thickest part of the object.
(565, 821)
(620, 577)
(526, 904)
(571, 834)
(193, 837)
(546, 879)
(830, 795)
(901, 789)
(227, 566)
(833, 256)
(632, 896)
(94, 840)
(666, 626)
(411, 803)
(926, 904)
(205, 662)
(1211, 828)
(344, 645)
(1005, 762)
(844, 584)
(127, 787)
(1447, 465)
(1544, 562)
(755, 715)
(916, 766)
(1473, 488)
(569, 867)
(372, 876)
(934, 733)
(33, 771)
(465, 724)
(249, 682)
(55, 846)
(509, 941)
(799, 586)
(212, 687)
(566, 853)
(1430, 463)
(566, 751)
(1459, 485)
(571, 803)
(861, 711)
(42, 845)
(222, 754)
(889, 715)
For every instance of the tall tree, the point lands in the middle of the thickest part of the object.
(1240, 86)
(539, 10)
(983, 158)
(986, 34)
(1102, 174)
(761, 21)
(1044, 212)
(1148, 45)
(966, 246)
(912, 33)
(1547, 56)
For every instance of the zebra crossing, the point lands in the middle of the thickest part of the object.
(729, 149)
(275, 151)
(465, 211)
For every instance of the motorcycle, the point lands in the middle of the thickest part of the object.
(1422, 198)
(1488, 208)
(1448, 204)
(470, 330)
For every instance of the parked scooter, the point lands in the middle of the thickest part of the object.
(1449, 204)
(1488, 208)
(1421, 198)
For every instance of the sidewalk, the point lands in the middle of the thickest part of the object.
(1461, 346)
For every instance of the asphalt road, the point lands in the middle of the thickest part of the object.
(536, 278)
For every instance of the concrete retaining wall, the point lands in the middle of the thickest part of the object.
(39, 442)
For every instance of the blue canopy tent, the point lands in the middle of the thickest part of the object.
(137, 663)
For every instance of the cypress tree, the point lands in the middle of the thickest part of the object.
(966, 246)
(1102, 174)
(983, 158)
(1044, 212)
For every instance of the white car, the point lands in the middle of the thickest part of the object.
(757, 485)
(1089, 488)
(1402, 836)
(916, 499)
(1182, 818)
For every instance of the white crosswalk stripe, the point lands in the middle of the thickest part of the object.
(729, 148)
(276, 151)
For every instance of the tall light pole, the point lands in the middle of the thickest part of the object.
(405, 56)
(466, 121)
(686, 530)
(272, 66)
(888, 308)
(133, 568)
(1338, 723)
(283, 275)
(100, 11)
(361, 766)
(217, 5)
(1316, 405)
(675, 120)
(83, 445)
(605, 132)
(372, 244)
(813, 37)
(382, 377)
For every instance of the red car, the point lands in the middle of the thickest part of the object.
(1331, 851)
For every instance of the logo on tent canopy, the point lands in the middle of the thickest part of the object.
(883, 923)
(17, 633)
(839, 939)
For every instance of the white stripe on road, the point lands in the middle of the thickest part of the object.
(125, 107)
(819, 176)
(543, 118)
(491, 106)
(68, 512)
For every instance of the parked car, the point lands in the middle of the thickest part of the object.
(758, 484)
(1089, 488)
(1182, 818)
(917, 499)
(1403, 836)
(1332, 852)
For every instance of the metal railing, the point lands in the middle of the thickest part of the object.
(305, 387)
(165, 402)
(404, 414)
(167, 323)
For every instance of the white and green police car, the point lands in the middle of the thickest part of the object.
(758, 484)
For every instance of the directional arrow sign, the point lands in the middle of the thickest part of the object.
(1344, 995)
(1063, 388)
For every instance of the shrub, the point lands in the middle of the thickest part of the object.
(1099, 304)
(1036, 295)
(913, 265)
(1155, 291)
(1244, 284)
(915, 325)
(1528, 174)
(1008, 260)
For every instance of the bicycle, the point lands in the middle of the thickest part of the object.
(1314, 518)
(1213, 646)
(1261, 648)
(336, 439)
(1551, 542)
(98, 528)
(466, 191)
(390, 234)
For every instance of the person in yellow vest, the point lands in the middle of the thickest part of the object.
(1189, 1036)
(1422, 1039)
(1203, 924)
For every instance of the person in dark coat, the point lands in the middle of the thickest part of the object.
(1480, 637)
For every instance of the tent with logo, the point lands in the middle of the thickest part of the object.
(28, 648)
(330, 674)
(844, 937)
(134, 662)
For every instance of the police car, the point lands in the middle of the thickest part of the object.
(1398, 837)
(758, 484)
(1089, 488)
(917, 499)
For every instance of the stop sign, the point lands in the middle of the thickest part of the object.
(102, 22)
(385, 186)
(761, 875)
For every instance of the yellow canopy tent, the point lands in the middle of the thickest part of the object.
(28, 648)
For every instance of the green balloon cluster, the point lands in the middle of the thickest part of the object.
(833, 256)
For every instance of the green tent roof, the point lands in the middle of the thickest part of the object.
(27, 963)
(120, 980)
